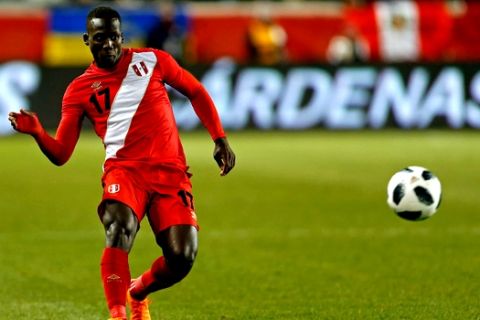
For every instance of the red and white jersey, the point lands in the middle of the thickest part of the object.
(130, 109)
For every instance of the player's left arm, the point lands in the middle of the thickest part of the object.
(204, 107)
(57, 149)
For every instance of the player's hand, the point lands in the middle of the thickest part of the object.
(25, 122)
(224, 156)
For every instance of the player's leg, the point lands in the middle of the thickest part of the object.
(121, 226)
(120, 211)
(173, 220)
(180, 245)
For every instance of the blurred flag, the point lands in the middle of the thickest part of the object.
(399, 31)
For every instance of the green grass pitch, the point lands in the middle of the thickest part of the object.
(299, 230)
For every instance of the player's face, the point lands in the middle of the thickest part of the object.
(104, 38)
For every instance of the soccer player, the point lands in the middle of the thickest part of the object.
(145, 173)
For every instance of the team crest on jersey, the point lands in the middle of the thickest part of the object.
(113, 188)
(140, 69)
(96, 85)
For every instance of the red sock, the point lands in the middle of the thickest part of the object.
(151, 279)
(116, 279)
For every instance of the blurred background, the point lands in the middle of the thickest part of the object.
(322, 101)
(268, 64)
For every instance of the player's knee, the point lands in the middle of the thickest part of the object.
(119, 235)
(179, 245)
(116, 229)
(120, 225)
(181, 259)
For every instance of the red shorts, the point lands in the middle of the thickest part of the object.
(163, 193)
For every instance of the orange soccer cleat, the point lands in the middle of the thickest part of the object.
(138, 309)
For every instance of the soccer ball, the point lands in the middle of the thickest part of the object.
(414, 193)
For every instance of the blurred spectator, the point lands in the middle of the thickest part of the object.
(266, 40)
(170, 32)
(348, 47)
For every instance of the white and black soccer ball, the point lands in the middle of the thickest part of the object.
(414, 193)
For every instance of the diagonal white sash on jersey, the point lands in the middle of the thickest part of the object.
(127, 100)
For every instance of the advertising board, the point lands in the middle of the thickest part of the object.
(348, 97)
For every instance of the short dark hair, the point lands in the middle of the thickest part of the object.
(103, 13)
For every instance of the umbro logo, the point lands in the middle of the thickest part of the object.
(113, 277)
(96, 85)
(140, 69)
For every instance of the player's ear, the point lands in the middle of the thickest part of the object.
(123, 38)
(85, 39)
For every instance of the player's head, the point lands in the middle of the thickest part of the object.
(104, 36)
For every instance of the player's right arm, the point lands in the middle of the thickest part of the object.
(58, 149)
(203, 105)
